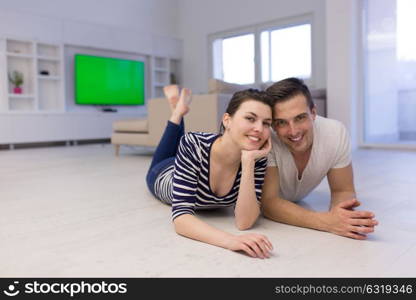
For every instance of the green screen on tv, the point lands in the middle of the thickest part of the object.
(108, 81)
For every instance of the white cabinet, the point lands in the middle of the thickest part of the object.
(164, 71)
(20, 58)
(41, 66)
(49, 127)
(49, 74)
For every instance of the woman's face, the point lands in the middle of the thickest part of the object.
(249, 127)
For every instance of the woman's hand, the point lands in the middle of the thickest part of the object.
(256, 154)
(255, 245)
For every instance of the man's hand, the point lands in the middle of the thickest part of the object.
(344, 220)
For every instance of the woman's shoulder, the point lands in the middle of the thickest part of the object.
(196, 144)
(200, 138)
(201, 135)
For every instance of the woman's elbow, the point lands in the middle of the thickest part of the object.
(244, 225)
(180, 223)
(177, 226)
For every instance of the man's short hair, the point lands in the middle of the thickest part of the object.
(288, 88)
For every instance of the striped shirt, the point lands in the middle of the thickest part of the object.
(185, 184)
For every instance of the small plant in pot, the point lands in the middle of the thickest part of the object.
(16, 78)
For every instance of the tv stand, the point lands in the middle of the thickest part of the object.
(109, 109)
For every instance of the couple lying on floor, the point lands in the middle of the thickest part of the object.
(249, 167)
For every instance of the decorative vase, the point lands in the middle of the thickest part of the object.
(17, 90)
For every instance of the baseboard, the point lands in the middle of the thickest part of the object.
(53, 144)
(407, 135)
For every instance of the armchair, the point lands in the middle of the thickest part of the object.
(205, 115)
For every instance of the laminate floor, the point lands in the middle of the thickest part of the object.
(82, 212)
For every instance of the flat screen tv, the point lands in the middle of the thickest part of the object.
(108, 81)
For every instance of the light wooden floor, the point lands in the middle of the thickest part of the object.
(81, 212)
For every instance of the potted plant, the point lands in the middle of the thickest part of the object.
(16, 78)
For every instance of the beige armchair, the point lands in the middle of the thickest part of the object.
(205, 115)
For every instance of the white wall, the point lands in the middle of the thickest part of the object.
(155, 16)
(343, 74)
(143, 26)
(199, 18)
(127, 27)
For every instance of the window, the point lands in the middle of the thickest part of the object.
(264, 53)
(235, 59)
(286, 52)
(390, 68)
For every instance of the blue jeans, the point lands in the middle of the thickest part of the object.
(165, 153)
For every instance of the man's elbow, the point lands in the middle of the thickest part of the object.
(265, 207)
(268, 208)
(267, 214)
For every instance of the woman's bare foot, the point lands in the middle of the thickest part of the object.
(172, 94)
(182, 106)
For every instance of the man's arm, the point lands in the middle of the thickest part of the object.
(340, 219)
(281, 210)
(341, 184)
(343, 219)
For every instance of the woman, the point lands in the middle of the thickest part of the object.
(202, 170)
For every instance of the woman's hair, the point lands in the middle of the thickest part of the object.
(242, 96)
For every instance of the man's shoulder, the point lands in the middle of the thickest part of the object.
(329, 128)
(329, 124)
(333, 140)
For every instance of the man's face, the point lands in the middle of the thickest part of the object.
(294, 123)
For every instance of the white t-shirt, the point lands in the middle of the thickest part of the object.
(331, 149)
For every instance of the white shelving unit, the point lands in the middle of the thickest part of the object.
(20, 57)
(43, 112)
(50, 77)
(164, 71)
(42, 69)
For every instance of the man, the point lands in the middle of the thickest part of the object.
(307, 148)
